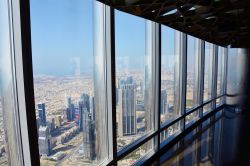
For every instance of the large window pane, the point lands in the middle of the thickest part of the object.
(170, 132)
(192, 77)
(192, 73)
(235, 74)
(133, 75)
(136, 155)
(207, 92)
(10, 141)
(220, 70)
(69, 81)
(170, 85)
(220, 73)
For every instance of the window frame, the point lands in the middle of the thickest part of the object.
(24, 77)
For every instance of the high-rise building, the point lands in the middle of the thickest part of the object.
(88, 135)
(126, 108)
(70, 110)
(85, 100)
(164, 104)
(92, 107)
(58, 121)
(85, 105)
(44, 141)
(53, 124)
(80, 109)
(42, 114)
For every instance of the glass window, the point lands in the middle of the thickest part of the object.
(192, 86)
(10, 141)
(136, 155)
(191, 118)
(233, 71)
(220, 73)
(235, 74)
(69, 81)
(170, 85)
(133, 78)
(170, 132)
(207, 92)
(192, 73)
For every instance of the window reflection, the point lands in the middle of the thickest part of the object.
(10, 141)
(192, 85)
(207, 92)
(136, 155)
(170, 85)
(202, 146)
(134, 95)
(220, 74)
(70, 81)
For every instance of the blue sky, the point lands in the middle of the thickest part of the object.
(61, 32)
(62, 38)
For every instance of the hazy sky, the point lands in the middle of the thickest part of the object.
(61, 33)
(62, 38)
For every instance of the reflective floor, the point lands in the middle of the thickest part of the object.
(221, 140)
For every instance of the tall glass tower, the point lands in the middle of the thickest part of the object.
(126, 109)
(42, 114)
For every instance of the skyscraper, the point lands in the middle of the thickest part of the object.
(70, 110)
(44, 141)
(80, 108)
(88, 135)
(42, 114)
(92, 107)
(85, 105)
(164, 105)
(126, 108)
(85, 100)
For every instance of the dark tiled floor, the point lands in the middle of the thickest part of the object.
(225, 141)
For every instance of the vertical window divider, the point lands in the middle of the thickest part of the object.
(225, 72)
(158, 85)
(152, 64)
(214, 75)
(24, 80)
(183, 76)
(111, 88)
(201, 66)
(201, 63)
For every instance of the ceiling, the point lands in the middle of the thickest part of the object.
(222, 22)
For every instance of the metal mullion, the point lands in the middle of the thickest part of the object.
(225, 71)
(155, 80)
(183, 76)
(158, 82)
(201, 63)
(111, 90)
(24, 77)
(17, 98)
(151, 93)
(214, 74)
(111, 84)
